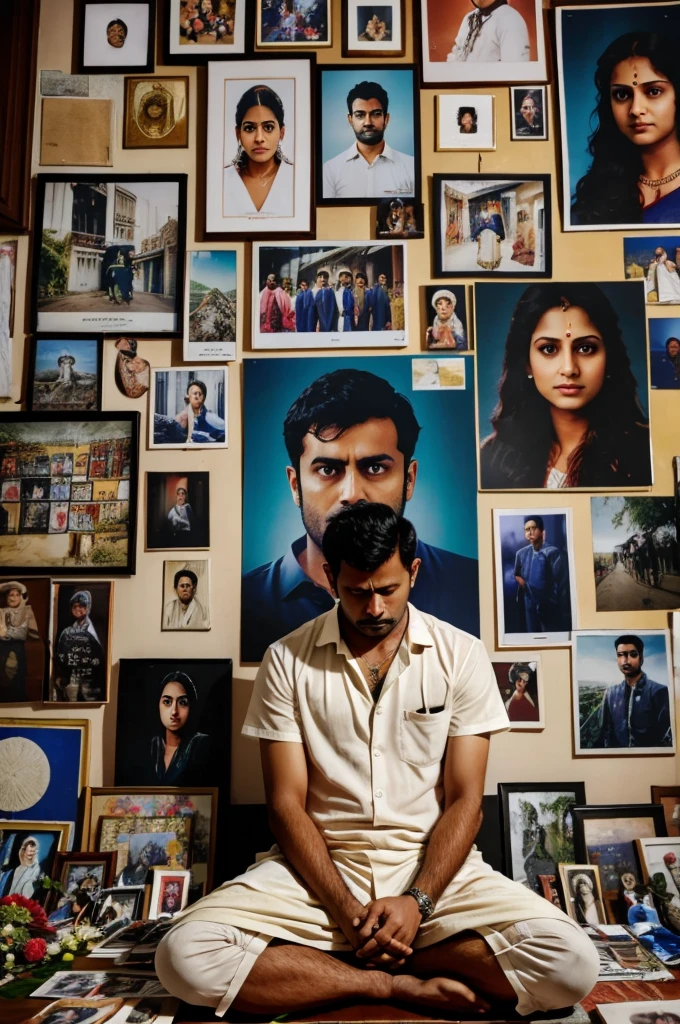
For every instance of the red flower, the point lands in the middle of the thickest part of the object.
(36, 911)
(34, 950)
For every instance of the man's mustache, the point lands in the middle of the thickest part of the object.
(376, 622)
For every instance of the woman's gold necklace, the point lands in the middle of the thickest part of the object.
(658, 182)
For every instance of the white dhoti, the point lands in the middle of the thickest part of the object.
(489, 253)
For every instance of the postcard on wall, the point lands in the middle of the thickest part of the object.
(520, 685)
(210, 305)
(76, 132)
(654, 259)
(664, 352)
(191, 38)
(188, 408)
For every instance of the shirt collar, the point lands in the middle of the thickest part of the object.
(417, 633)
(353, 153)
(291, 575)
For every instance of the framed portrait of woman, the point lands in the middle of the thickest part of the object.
(619, 80)
(583, 893)
(259, 155)
(198, 30)
(482, 41)
(558, 353)
(520, 684)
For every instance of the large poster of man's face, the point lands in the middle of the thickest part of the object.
(333, 432)
(535, 583)
(623, 692)
(24, 632)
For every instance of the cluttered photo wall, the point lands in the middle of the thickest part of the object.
(157, 354)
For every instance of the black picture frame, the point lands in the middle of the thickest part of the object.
(462, 309)
(518, 133)
(362, 72)
(505, 789)
(347, 50)
(138, 892)
(95, 242)
(503, 180)
(166, 534)
(120, 456)
(65, 338)
(82, 68)
(197, 56)
(597, 812)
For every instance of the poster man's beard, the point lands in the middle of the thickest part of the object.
(315, 525)
(372, 137)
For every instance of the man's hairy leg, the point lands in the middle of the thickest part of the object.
(468, 958)
(289, 977)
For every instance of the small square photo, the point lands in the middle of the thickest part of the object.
(465, 122)
(117, 36)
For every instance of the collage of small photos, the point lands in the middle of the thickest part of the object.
(205, 208)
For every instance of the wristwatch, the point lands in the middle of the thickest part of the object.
(425, 904)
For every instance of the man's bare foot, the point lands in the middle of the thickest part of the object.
(440, 992)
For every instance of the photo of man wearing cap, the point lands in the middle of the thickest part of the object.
(80, 667)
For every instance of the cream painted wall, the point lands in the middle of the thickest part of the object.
(546, 755)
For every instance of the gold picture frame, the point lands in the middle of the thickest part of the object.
(168, 129)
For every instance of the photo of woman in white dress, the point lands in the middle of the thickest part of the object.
(260, 179)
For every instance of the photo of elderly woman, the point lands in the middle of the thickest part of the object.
(80, 642)
(173, 717)
(447, 318)
(567, 400)
(24, 628)
(622, 150)
(188, 408)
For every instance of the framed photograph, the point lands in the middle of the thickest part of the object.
(65, 374)
(459, 46)
(192, 802)
(609, 664)
(660, 864)
(116, 38)
(636, 560)
(601, 139)
(183, 703)
(27, 853)
(550, 890)
(87, 1011)
(516, 386)
(45, 455)
(642, 1012)
(81, 643)
(210, 306)
(312, 296)
(536, 827)
(529, 113)
(99, 983)
(57, 751)
(188, 408)
(664, 352)
(82, 876)
(287, 402)
(465, 122)
(259, 157)
(535, 577)
(447, 318)
(492, 225)
(400, 218)
(25, 606)
(117, 908)
(8, 261)
(520, 684)
(293, 24)
(169, 893)
(199, 30)
(140, 843)
(368, 134)
(583, 893)
(112, 248)
(177, 511)
(156, 113)
(605, 836)
(669, 798)
(654, 259)
(373, 30)
(186, 594)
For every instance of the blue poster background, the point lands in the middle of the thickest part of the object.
(62, 747)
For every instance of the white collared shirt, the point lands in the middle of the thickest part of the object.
(503, 36)
(349, 175)
(375, 769)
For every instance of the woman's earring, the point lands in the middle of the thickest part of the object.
(279, 153)
(530, 376)
(239, 153)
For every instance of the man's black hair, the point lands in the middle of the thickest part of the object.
(341, 399)
(118, 21)
(368, 91)
(365, 536)
(634, 641)
(535, 519)
(188, 573)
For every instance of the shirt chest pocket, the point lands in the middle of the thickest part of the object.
(422, 737)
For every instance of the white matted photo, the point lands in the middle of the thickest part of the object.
(119, 36)
(190, 37)
(438, 374)
(186, 605)
(375, 30)
(320, 295)
(210, 305)
(169, 892)
(520, 684)
(188, 408)
(660, 858)
(623, 692)
(647, 1011)
(582, 889)
(465, 121)
(528, 113)
(259, 159)
(535, 577)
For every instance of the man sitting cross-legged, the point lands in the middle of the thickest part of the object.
(374, 723)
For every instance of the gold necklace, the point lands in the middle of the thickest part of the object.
(657, 182)
(375, 669)
(263, 179)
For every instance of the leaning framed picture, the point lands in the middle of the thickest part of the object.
(492, 225)
(529, 113)
(293, 24)
(188, 408)
(660, 863)
(465, 121)
(605, 835)
(117, 907)
(583, 893)
(373, 30)
(81, 643)
(25, 611)
(169, 892)
(195, 31)
(259, 155)
(465, 43)
(70, 505)
(330, 293)
(82, 876)
(541, 811)
(669, 798)
(110, 250)
(65, 373)
(115, 38)
(28, 850)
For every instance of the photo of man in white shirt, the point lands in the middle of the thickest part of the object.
(492, 31)
(370, 168)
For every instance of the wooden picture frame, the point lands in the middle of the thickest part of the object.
(615, 854)
(105, 862)
(17, 832)
(570, 875)
(354, 46)
(81, 661)
(286, 43)
(88, 537)
(94, 17)
(67, 356)
(170, 92)
(663, 795)
(139, 894)
(184, 46)
(557, 833)
(101, 1009)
